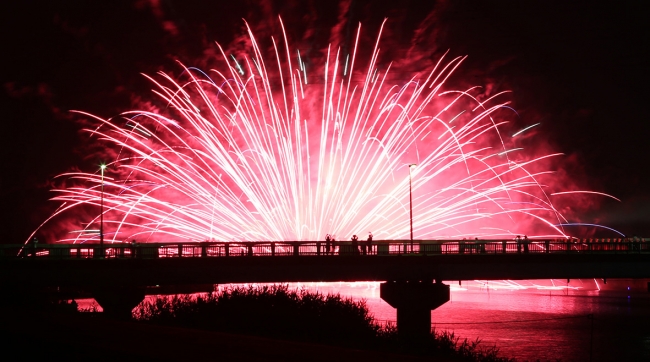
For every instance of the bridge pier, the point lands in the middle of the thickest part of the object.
(414, 301)
(118, 302)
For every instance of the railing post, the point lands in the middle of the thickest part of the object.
(504, 246)
(34, 245)
(272, 249)
(250, 249)
(318, 248)
(204, 251)
(180, 250)
(296, 250)
(227, 248)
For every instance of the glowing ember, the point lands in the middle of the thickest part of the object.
(270, 148)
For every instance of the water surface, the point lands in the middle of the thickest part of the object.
(531, 320)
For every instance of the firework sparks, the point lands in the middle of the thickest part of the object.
(253, 151)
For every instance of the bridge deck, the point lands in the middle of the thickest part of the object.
(258, 262)
(319, 248)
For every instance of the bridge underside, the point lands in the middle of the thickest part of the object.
(119, 284)
(262, 269)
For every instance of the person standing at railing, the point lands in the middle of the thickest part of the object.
(518, 240)
(355, 245)
(328, 241)
(481, 245)
(526, 242)
(369, 242)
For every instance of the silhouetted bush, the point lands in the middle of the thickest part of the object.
(277, 312)
(267, 311)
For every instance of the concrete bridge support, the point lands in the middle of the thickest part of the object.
(414, 301)
(118, 302)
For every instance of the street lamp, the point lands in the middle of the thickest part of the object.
(411, 201)
(101, 216)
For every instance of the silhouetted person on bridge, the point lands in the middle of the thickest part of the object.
(518, 240)
(369, 243)
(328, 243)
(355, 245)
(481, 245)
(526, 242)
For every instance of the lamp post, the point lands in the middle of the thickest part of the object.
(101, 216)
(411, 201)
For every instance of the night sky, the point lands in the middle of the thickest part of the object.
(580, 68)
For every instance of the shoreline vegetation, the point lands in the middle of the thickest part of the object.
(299, 315)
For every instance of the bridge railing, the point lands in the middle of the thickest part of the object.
(322, 248)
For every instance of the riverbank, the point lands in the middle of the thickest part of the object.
(29, 336)
(240, 324)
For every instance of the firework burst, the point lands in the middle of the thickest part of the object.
(269, 148)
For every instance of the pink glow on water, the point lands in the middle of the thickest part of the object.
(535, 319)
(527, 320)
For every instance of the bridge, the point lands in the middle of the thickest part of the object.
(118, 275)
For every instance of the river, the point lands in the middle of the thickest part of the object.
(545, 320)
(536, 320)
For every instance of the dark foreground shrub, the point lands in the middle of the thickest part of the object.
(277, 312)
(268, 311)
